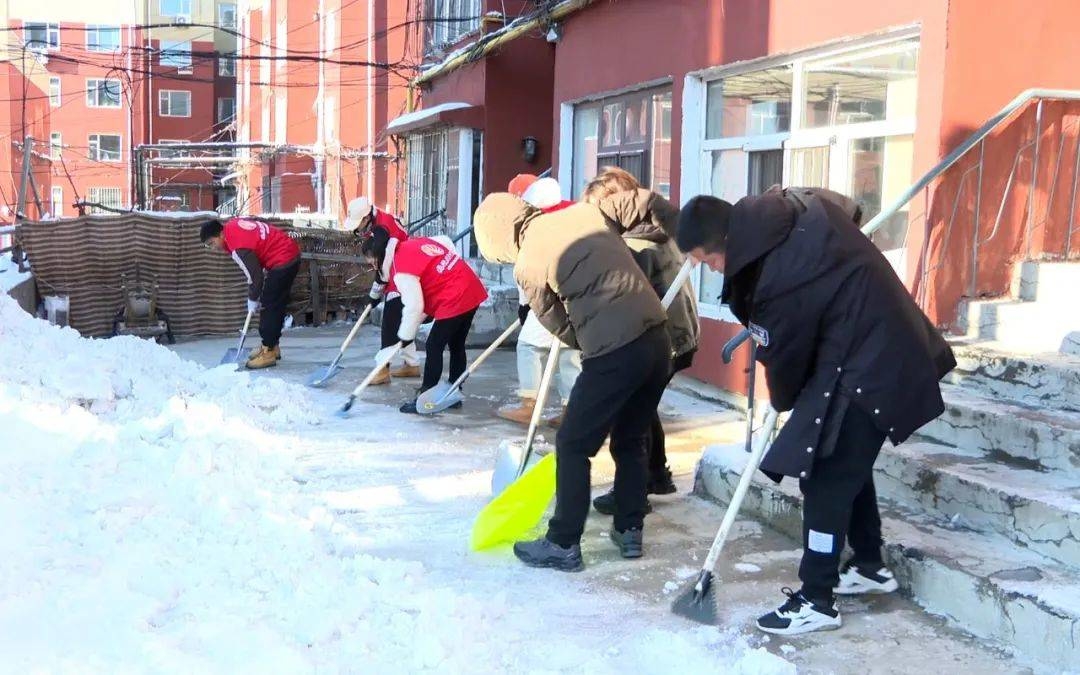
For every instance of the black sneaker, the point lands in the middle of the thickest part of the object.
(544, 553)
(628, 541)
(661, 484)
(799, 615)
(409, 407)
(865, 579)
(605, 504)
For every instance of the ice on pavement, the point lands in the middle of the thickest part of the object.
(157, 519)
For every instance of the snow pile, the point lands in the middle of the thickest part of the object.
(153, 524)
(10, 276)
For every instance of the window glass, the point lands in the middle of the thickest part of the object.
(881, 169)
(103, 38)
(586, 140)
(38, 36)
(175, 55)
(105, 147)
(872, 85)
(103, 93)
(752, 104)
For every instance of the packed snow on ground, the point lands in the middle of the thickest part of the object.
(156, 520)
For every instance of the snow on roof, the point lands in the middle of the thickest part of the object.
(412, 119)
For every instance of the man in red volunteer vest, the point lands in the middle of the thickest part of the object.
(363, 219)
(435, 281)
(270, 260)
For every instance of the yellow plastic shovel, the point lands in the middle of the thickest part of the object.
(517, 509)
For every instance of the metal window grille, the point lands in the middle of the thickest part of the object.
(447, 21)
(427, 178)
(106, 196)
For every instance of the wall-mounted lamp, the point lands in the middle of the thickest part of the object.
(529, 148)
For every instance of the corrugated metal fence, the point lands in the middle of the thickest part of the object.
(201, 291)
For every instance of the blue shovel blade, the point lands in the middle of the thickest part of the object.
(231, 355)
(323, 375)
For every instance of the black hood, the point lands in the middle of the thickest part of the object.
(757, 226)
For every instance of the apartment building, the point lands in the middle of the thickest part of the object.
(111, 76)
(317, 84)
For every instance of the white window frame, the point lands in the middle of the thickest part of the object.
(93, 92)
(226, 65)
(232, 118)
(52, 30)
(223, 8)
(696, 149)
(173, 56)
(95, 30)
(166, 105)
(96, 195)
(94, 145)
(441, 31)
(175, 15)
(56, 201)
(56, 144)
(55, 92)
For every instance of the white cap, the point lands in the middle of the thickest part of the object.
(543, 194)
(358, 208)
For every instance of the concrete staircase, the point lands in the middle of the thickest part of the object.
(1043, 314)
(501, 306)
(982, 510)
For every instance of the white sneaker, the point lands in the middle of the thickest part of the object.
(799, 615)
(856, 580)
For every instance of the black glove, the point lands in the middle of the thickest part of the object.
(406, 343)
(372, 302)
(523, 313)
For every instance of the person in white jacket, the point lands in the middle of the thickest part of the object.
(534, 341)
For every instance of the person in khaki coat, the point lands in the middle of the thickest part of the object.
(647, 222)
(584, 286)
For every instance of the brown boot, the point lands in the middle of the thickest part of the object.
(277, 352)
(521, 414)
(382, 377)
(556, 421)
(263, 357)
(406, 371)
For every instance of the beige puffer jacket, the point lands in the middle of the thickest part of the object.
(646, 222)
(579, 276)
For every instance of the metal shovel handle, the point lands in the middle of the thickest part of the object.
(479, 360)
(243, 335)
(541, 399)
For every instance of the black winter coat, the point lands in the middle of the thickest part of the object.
(834, 324)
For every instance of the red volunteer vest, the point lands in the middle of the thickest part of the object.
(449, 285)
(272, 246)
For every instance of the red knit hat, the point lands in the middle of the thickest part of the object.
(520, 183)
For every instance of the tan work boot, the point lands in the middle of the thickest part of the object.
(383, 377)
(277, 352)
(406, 371)
(263, 357)
(556, 420)
(522, 414)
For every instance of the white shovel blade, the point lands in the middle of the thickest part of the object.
(436, 400)
(508, 459)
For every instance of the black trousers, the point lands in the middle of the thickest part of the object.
(839, 501)
(657, 441)
(616, 394)
(391, 321)
(277, 284)
(445, 333)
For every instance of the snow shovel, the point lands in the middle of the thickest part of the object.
(522, 493)
(322, 376)
(381, 359)
(232, 354)
(443, 395)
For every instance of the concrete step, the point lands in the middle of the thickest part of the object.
(986, 585)
(1052, 283)
(1020, 325)
(1038, 438)
(1043, 380)
(1036, 510)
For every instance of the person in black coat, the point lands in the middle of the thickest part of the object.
(846, 350)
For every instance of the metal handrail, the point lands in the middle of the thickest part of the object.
(415, 225)
(953, 157)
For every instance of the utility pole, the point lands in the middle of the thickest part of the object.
(20, 204)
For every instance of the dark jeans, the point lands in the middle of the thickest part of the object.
(616, 394)
(275, 298)
(445, 333)
(391, 322)
(839, 501)
(657, 442)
